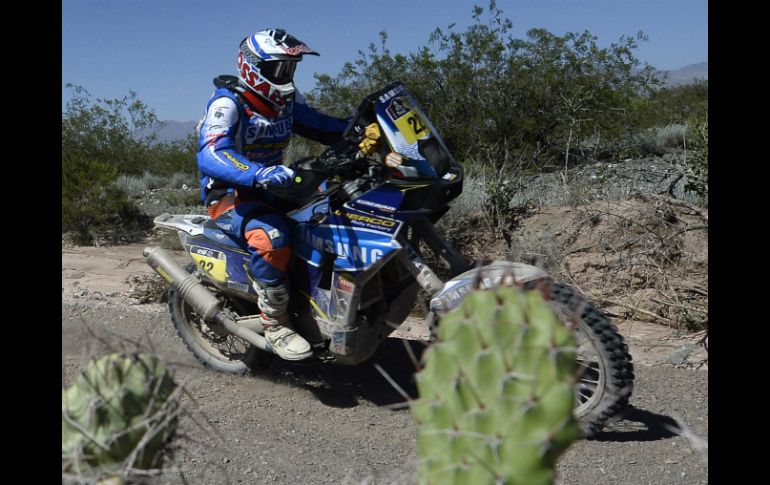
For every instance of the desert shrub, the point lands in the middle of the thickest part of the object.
(152, 181)
(532, 101)
(183, 198)
(178, 156)
(672, 105)
(133, 186)
(660, 140)
(698, 160)
(180, 179)
(504, 214)
(93, 207)
(106, 163)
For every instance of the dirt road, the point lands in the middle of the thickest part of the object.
(319, 424)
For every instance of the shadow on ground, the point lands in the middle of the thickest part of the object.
(346, 386)
(638, 425)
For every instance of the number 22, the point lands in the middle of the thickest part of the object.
(417, 125)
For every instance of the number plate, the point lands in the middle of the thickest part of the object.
(210, 261)
(412, 127)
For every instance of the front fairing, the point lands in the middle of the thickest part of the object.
(407, 130)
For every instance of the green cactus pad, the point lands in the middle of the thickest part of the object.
(117, 403)
(496, 398)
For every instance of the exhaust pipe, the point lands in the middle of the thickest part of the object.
(198, 297)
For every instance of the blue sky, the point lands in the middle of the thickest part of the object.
(168, 51)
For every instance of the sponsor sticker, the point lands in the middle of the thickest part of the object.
(251, 77)
(267, 146)
(376, 205)
(396, 109)
(392, 93)
(344, 284)
(293, 51)
(236, 162)
(374, 221)
(164, 275)
(238, 285)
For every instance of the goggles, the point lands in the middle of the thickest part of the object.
(277, 72)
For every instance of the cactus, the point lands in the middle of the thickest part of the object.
(496, 399)
(120, 412)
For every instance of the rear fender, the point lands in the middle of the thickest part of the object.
(488, 276)
(190, 224)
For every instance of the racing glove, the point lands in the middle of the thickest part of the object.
(275, 175)
(371, 137)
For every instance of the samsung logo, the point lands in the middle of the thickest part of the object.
(358, 254)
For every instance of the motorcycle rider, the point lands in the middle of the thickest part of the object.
(249, 120)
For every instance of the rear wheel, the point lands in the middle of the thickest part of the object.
(211, 344)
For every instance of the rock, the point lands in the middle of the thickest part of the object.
(682, 355)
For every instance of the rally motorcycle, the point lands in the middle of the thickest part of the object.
(359, 228)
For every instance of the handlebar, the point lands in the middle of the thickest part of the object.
(338, 160)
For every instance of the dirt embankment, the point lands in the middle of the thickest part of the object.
(643, 259)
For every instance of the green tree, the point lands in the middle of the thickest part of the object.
(99, 141)
(106, 130)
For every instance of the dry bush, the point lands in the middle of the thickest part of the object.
(147, 288)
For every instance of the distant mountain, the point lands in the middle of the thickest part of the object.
(170, 131)
(687, 74)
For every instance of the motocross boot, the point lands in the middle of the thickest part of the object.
(274, 303)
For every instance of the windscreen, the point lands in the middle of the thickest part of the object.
(410, 132)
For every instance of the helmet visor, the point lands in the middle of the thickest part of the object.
(278, 72)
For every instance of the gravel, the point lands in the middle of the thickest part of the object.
(328, 424)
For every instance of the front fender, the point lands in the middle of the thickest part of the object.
(490, 275)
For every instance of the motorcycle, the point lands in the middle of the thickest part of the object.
(359, 224)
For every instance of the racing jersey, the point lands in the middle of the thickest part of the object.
(234, 141)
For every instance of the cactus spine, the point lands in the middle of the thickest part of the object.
(120, 411)
(496, 397)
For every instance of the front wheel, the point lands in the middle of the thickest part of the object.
(211, 344)
(605, 371)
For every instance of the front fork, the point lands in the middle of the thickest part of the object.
(411, 259)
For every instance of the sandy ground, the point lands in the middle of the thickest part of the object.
(325, 424)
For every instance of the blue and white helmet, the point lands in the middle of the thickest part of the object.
(266, 64)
